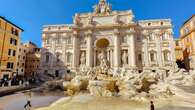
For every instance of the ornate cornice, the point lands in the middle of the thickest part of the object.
(112, 26)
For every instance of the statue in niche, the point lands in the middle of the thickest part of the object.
(83, 58)
(124, 58)
(103, 60)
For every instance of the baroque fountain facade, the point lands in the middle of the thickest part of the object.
(111, 54)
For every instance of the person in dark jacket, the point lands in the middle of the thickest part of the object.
(151, 105)
(27, 104)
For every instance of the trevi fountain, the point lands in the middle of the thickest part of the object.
(102, 88)
(106, 82)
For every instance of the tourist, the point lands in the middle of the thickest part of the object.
(27, 104)
(152, 105)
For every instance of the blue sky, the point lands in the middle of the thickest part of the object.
(31, 15)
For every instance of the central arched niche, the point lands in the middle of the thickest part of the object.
(102, 43)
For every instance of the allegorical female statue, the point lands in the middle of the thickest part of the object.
(83, 58)
(124, 58)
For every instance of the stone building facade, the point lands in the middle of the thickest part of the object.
(28, 59)
(9, 43)
(22, 50)
(187, 37)
(111, 35)
(32, 62)
(178, 50)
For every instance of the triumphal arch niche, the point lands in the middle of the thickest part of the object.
(113, 36)
(108, 35)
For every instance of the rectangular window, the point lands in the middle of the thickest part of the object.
(14, 53)
(140, 57)
(16, 32)
(12, 30)
(11, 40)
(9, 52)
(152, 57)
(10, 65)
(68, 40)
(47, 58)
(15, 42)
(57, 73)
(58, 40)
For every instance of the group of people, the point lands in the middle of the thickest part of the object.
(16, 80)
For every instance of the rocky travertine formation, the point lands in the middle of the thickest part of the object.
(104, 81)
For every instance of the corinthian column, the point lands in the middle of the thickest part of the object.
(75, 50)
(89, 49)
(131, 50)
(159, 50)
(172, 45)
(146, 54)
(117, 55)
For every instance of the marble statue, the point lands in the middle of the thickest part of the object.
(83, 59)
(103, 60)
(124, 58)
(102, 8)
(76, 20)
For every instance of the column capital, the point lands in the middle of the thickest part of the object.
(75, 33)
(88, 33)
(144, 32)
(131, 31)
(116, 32)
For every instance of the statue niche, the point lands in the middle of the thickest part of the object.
(102, 45)
(103, 60)
(83, 59)
(124, 58)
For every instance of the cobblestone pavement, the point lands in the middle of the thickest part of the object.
(17, 101)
